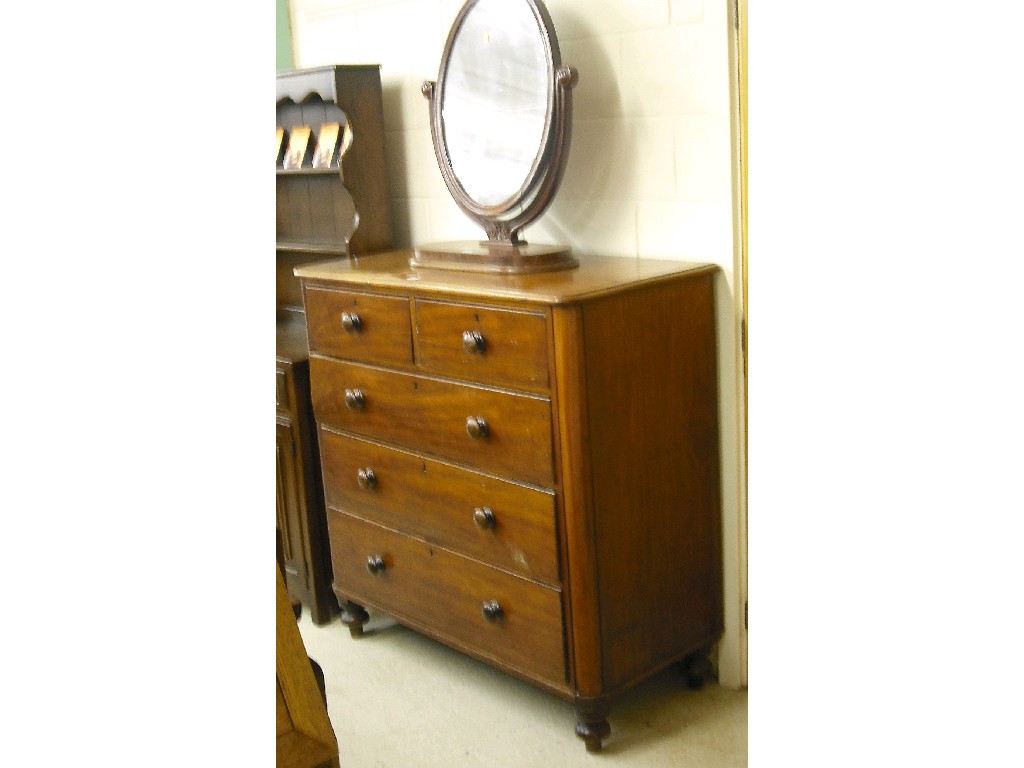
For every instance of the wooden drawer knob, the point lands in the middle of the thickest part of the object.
(367, 479)
(375, 565)
(484, 518)
(473, 342)
(476, 428)
(355, 400)
(491, 611)
(351, 322)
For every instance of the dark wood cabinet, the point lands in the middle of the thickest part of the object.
(321, 213)
(300, 510)
(525, 467)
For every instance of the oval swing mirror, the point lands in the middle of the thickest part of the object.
(501, 120)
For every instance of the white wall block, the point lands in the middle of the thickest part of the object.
(429, 177)
(716, 12)
(413, 29)
(687, 11)
(550, 229)
(448, 222)
(396, 155)
(662, 72)
(420, 222)
(412, 165)
(410, 221)
(686, 231)
(649, 155)
(598, 61)
(599, 156)
(319, 8)
(404, 104)
(703, 158)
(715, 32)
(574, 20)
(621, 160)
(602, 227)
(319, 39)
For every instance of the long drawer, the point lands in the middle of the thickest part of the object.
(503, 523)
(509, 619)
(506, 433)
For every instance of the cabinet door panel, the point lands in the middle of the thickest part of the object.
(288, 514)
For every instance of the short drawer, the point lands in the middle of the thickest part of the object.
(359, 326)
(502, 617)
(506, 433)
(501, 523)
(495, 346)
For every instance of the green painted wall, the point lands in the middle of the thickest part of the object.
(285, 58)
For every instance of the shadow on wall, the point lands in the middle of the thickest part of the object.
(588, 174)
(396, 161)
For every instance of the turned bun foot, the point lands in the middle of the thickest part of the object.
(696, 669)
(354, 616)
(592, 724)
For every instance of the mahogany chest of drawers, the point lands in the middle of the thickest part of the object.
(524, 467)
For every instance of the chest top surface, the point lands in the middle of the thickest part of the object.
(596, 276)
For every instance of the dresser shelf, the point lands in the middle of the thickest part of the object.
(309, 171)
(348, 95)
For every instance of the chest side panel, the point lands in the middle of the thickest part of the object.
(652, 415)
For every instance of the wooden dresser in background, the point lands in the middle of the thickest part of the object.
(316, 212)
(525, 467)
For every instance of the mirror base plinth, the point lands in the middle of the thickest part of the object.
(504, 258)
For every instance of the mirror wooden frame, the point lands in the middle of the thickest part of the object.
(505, 250)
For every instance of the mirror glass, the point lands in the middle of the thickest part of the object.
(494, 105)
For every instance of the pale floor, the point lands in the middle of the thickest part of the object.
(398, 699)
